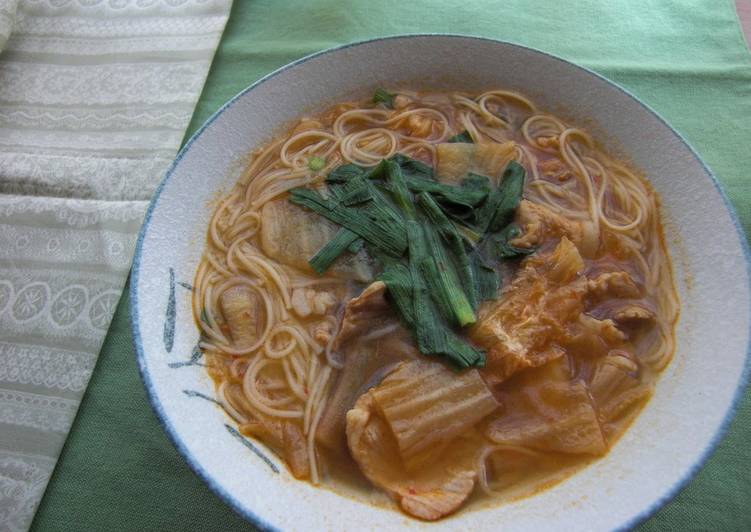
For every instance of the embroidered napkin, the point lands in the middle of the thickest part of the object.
(686, 58)
(95, 96)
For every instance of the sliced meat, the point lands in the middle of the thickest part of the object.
(539, 224)
(457, 159)
(307, 301)
(613, 284)
(281, 436)
(439, 487)
(591, 337)
(547, 411)
(365, 361)
(292, 235)
(616, 296)
(631, 313)
(605, 329)
(323, 332)
(364, 313)
(625, 313)
(242, 311)
(295, 450)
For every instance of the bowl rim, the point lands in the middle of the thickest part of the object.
(215, 485)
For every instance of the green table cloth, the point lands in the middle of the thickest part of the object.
(687, 59)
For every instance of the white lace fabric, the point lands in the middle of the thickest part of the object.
(95, 97)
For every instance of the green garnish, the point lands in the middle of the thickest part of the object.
(470, 235)
(438, 245)
(377, 225)
(454, 241)
(344, 173)
(356, 246)
(433, 337)
(316, 163)
(447, 289)
(383, 96)
(426, 321)
(464, 136)
(398, 187)
(419, 178)
(469, 194)
(412, 167)
(500, 206)
(398, 282)
(485, 276)
(357, 195)
(343, 239)
(497, 245)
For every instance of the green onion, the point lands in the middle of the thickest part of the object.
(429, 331)
(398, 188)
(376, 225)
(470, 235)
(449, 288)
(356, 246)
(486, 278)
(384, 97)
(357, 195)
(412, 167)
(464, 197)
(451, 236)
(344, 173)
(437, 244)
(500, 206)
(398, 283)
(316, 163)
(429, 271)
(497, 246)
(342, 240)
(419, 177)
(462, 354)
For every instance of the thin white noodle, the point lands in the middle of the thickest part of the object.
(293, 382)
(271, 273)
(256, 399)
(328, 351)
(235, 414)
(380, 333)
(297, 340)
(312, 458)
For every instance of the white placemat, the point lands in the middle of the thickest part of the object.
(95, 97)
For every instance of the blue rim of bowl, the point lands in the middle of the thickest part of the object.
(227, 497)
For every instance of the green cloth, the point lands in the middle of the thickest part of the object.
(687, 59)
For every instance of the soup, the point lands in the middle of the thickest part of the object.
(441, 297)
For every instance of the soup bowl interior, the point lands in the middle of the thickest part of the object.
(667, 443)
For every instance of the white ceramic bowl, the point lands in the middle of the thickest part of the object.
(670, 440)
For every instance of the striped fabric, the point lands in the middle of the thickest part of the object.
(95, 96)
